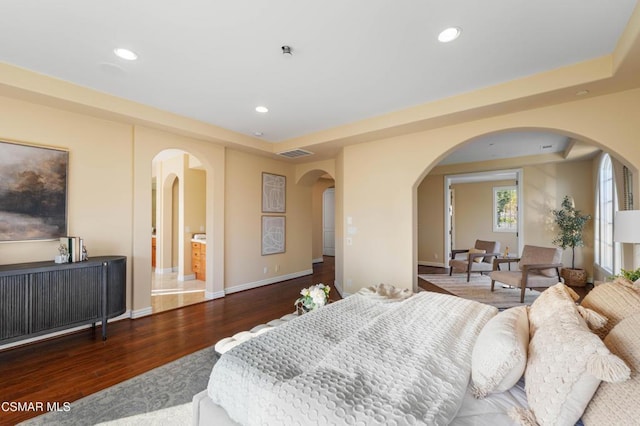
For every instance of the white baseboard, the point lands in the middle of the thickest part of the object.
(434, 264)
(215, 295)
(62, 332)
(339, 289)
(318, 260)
(186, 277)
(249, 286)
(164, 271)
(139, 313)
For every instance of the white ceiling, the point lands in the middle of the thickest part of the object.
(508, 145)
(215, 61)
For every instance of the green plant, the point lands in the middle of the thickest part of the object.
(571, 223)
(631, 275)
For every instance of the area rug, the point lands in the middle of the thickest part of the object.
(161, 396)
(479, 289)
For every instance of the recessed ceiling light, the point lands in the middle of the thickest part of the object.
(127, 54)
(449, 34)
(582, 92)
(258, 134)
(262, 109)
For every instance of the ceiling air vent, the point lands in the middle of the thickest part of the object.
(295, 153)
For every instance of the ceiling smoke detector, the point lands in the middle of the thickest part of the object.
(286, 51)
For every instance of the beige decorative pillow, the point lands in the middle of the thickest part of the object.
(566, 362)
(619, 403)
(615, 300)
(474, 251)
(554, 299)
(500, 353)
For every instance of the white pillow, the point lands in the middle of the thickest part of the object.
(500, 354)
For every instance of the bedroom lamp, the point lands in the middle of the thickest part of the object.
(626, 229)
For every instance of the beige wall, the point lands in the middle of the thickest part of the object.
(245, 265)
(545, 186)
(99, 184)
(473, 216)
(430, 231)
(381, 178)
(317, 216)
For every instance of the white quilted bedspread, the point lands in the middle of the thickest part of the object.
(362, 360)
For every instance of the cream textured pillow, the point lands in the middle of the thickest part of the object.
(566, 362)
(475, 250)
(556, 298)
(500, 353)
(619, 403)
(615, 300)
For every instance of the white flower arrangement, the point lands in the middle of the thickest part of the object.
(313, 297)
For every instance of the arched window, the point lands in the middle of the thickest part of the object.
(607, 253)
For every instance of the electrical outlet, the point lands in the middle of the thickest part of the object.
(435, 256)
(277, 267)
(349, 241)
(265, 270)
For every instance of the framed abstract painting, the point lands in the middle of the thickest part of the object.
(274, 191)
(33, 192)
(273, 235)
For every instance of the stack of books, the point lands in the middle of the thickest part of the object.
(75, 246)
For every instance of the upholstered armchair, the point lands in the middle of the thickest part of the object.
(477, 259)
(539, 267)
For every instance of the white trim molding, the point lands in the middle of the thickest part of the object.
(318, 260)
(139, 313)
(255, 284)
(209, 295)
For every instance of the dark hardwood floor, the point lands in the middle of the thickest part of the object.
(69, 367)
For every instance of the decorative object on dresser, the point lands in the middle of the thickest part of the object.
(76, 251)
(37, 298)
(199, 259)
(571, 222)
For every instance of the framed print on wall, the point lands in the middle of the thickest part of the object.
(33, 192)
(274, 192)
(273, 235)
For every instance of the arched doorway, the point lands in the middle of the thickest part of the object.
(178, 225)
(546, 173)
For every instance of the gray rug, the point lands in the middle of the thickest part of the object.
(164, 394)
(479, 289)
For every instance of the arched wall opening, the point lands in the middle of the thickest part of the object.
(323, 211)
(546, 179)
(178, 217)
(148, 143)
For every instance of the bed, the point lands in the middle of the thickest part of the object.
(386, 356)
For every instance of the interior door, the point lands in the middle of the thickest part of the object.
(328, 223)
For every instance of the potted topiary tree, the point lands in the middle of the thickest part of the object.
(571, 223)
